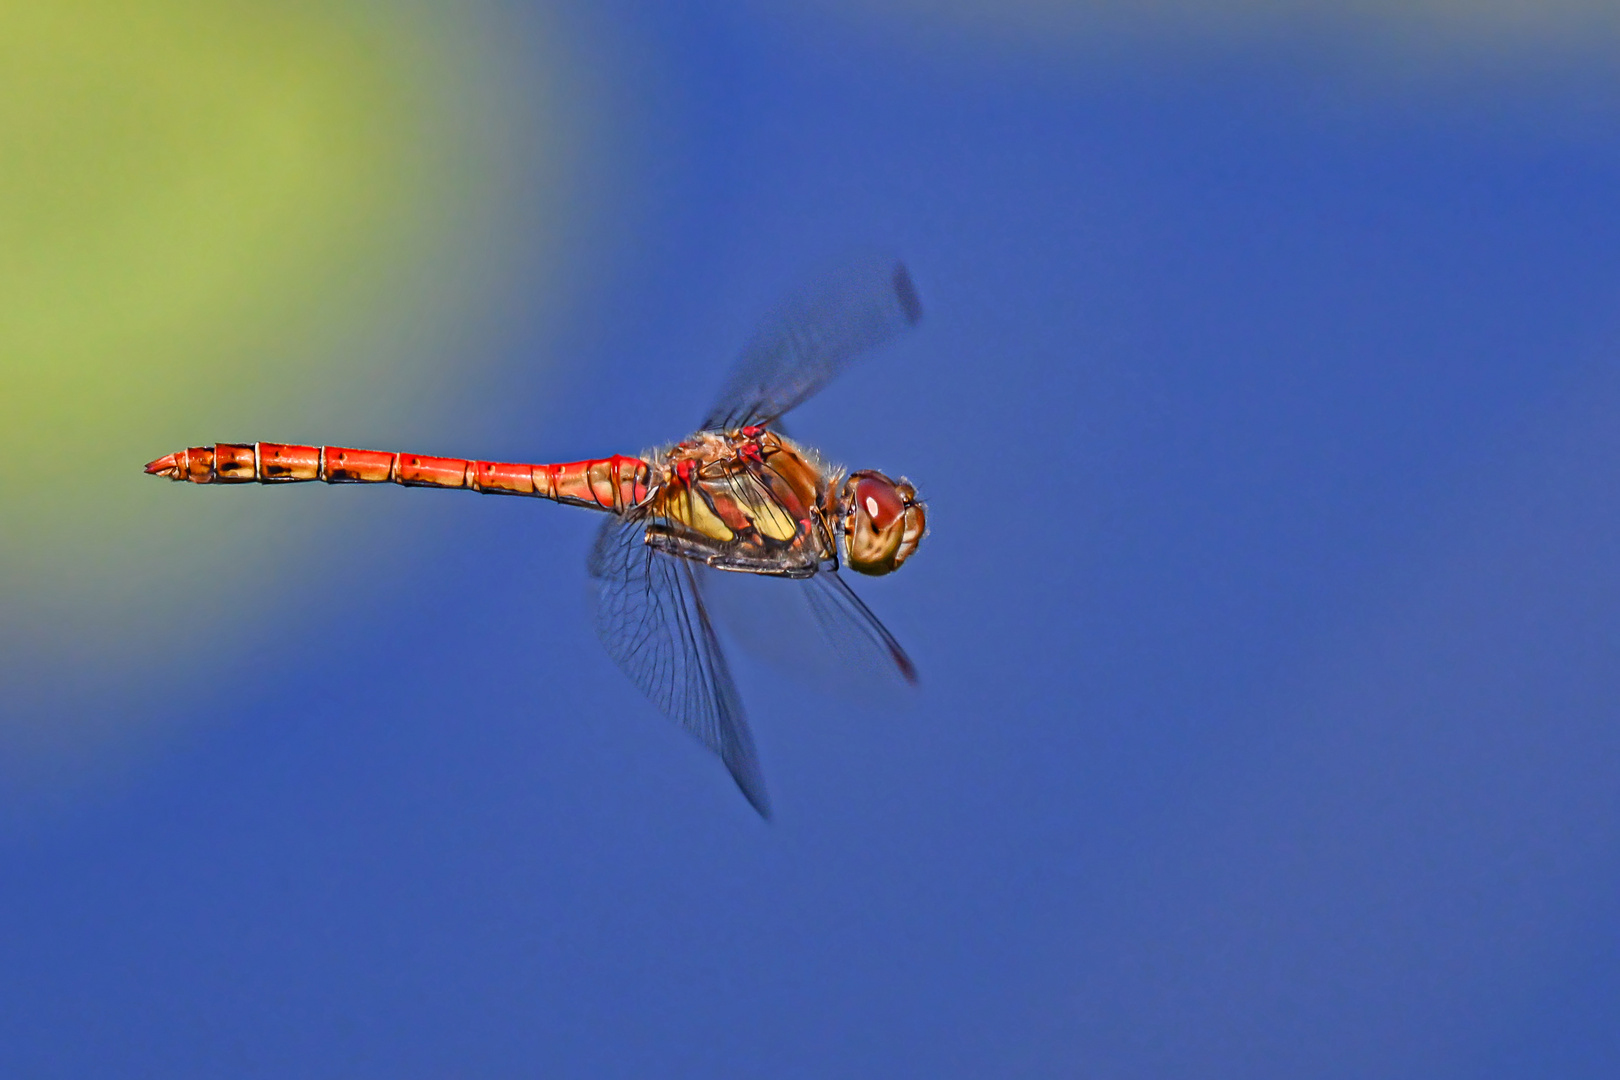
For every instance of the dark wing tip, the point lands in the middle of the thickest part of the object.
(753, 790)
(908, 670)
(905, 291)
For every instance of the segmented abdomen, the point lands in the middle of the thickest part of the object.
(613, 483)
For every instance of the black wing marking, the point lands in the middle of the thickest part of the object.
(851, 628)
(813, 338)
(651, 616)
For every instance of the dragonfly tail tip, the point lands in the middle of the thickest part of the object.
(167, 465)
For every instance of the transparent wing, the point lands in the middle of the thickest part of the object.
(813, 338)
(651, 616)
(851, 628)
(814, 629)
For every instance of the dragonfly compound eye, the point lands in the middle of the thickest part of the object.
(883, 522)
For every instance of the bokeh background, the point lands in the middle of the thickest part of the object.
(1269, 628)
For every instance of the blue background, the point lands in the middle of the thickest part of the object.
(1267, 626)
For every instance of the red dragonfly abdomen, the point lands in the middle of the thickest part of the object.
(612, 483)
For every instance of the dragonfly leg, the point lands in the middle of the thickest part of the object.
(770, 565)
(702, 549)
(678, 542)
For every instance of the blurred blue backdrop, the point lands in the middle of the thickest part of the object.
(1268, 628)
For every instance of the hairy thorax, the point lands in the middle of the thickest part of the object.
(751, 497)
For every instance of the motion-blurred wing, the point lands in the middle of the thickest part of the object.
(813, 338)
(652, 619)
(854, 632)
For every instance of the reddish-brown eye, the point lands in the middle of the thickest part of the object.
(880, 501)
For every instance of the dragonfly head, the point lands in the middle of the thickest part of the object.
(883, 522)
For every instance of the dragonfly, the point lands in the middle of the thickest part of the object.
(739, 496)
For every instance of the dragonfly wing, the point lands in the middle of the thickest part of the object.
(854, 632)
(813, 338)
(814, 630)
(652, 618)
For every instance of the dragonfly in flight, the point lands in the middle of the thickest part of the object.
(738, 495)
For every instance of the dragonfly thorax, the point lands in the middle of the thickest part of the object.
(747, 499)
(752, 499)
